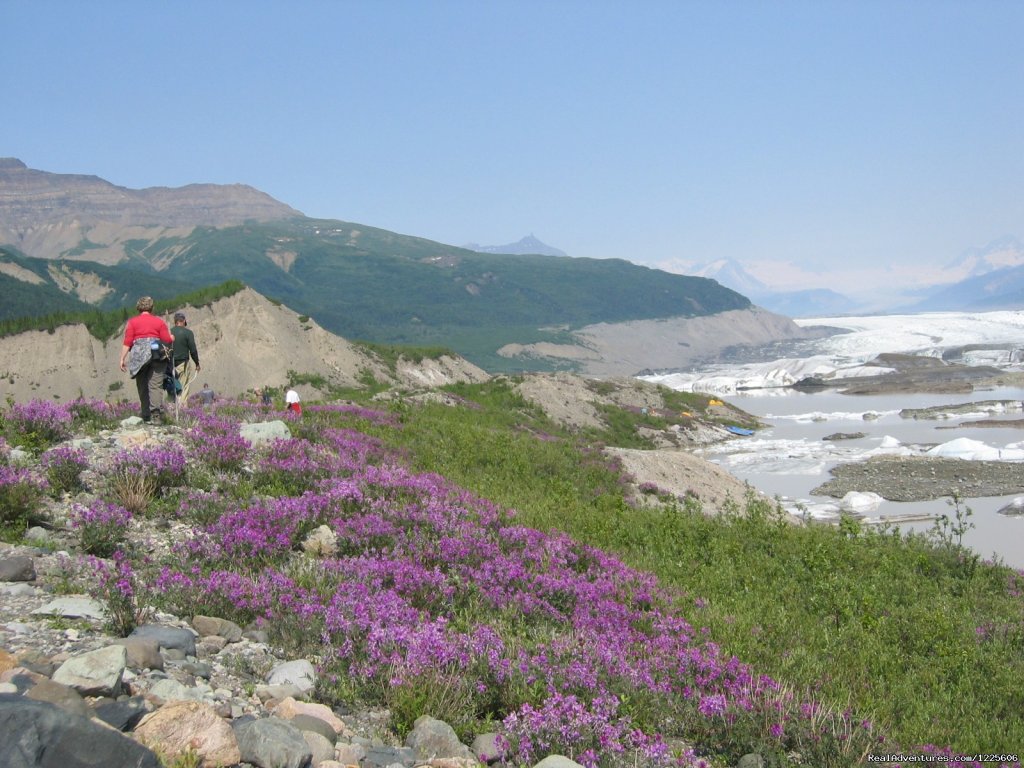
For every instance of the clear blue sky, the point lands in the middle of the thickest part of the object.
(830, 136)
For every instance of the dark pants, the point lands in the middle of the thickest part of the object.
(150, 383)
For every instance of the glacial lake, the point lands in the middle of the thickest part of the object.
(789, 459)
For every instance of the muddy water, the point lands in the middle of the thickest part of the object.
(790, 458)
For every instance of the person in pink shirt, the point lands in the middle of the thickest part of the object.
(144, 356)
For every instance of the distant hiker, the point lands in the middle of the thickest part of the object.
(206, 395)
(144, 356)
(185, 354)
(291, 400)
(265, 396)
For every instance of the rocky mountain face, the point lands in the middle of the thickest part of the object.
(55, 215)
(359, 282)
(245, 343)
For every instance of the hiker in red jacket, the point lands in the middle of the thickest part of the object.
(144, 356)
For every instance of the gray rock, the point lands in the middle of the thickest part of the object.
(209, 625)
(311, 724)
(170, 689)
(73, 607)
(350, 754)
(321, 748)
(198, 669)
(36, 734)
(383, 757)
(257, 636)
(299, 673)
(38, 536)
(485, 747)
(123, 715)
(168, 637)
(273, 743)
(96, 673)
(17, 568)
(283, 691)
(557, 761)
(63, 696)
(751, 760)
(19, 589)
(321, 542)
(265, 432)
(432, 738)
(143, 652)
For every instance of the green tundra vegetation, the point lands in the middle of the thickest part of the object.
(104, 324)
(381, 287)
(912, 632)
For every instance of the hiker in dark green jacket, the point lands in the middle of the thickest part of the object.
(186, 356)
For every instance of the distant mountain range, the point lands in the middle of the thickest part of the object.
(73, 241)
(993, 278)
(814, 302)
(528, 244)
(981, 279)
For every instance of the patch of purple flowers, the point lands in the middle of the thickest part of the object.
(430, 577)
(38, 423)
(102, 527)
(63, 466)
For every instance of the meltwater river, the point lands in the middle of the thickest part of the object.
(790, 458)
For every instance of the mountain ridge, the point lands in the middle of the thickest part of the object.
(525, 245)
(358, 281)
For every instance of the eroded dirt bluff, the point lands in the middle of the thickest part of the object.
(625, 349)
(580, 403)
(245, 342)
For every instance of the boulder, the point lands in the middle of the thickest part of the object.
(431, 738)
(143, 652)
(73, 607)
(169, 638)
(96, 673)
(265, 432)
(18, 568)
(190, 725)
(208, 626)
(299, 673)
(557, 761)
(123, 715)
(36, 734)
(59, 695)
(272, 743)
(321, 542)
(290, 709)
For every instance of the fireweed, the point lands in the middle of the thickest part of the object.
(21, 494)
(215, 442)
(432, 581)
(94, 414)
(135, 477)
(102, 527)
(290, 467)
(123, 592)
(37, 424)
(63, 466)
